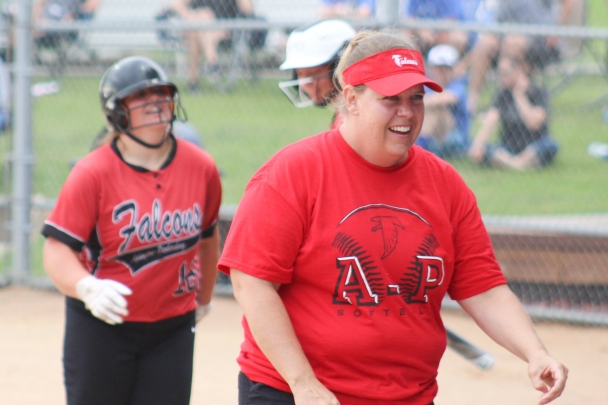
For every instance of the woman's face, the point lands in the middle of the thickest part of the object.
(320, 84)
(383, 129)
(150, 111)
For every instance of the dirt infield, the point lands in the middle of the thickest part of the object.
(31, 330)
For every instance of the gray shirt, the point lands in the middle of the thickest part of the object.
(526, 12)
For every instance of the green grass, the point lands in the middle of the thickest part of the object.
(597, 13)
(574, 184)
(243, 128)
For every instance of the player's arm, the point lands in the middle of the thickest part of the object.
(274, 334)
(208, 255)
(104, 298)
(501, 316)
(63, 266)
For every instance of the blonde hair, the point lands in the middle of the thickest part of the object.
(364, 44)
(106, 135)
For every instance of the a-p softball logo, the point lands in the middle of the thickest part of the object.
(403, 60)
(386, 251)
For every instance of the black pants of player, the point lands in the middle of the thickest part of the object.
(255, 393)
(134, 363)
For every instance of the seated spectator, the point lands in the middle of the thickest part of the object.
(489, 46)
(438, 10)
(522, 110)
(207, 41)
(445, 130)
(61, 10)
(346, 8)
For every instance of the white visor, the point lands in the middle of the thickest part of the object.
(293, 90)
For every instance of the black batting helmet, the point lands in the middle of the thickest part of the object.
(126, 77)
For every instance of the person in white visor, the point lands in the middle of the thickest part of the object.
(312, 53)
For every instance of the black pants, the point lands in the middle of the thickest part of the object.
(255, 393)
(135, 363)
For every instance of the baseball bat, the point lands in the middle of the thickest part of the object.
(469, 351)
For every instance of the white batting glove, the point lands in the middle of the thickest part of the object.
(104, 298)
(202, 310)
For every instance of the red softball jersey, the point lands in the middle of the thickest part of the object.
(365, 256)
(141, 227)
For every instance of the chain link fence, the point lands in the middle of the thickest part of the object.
(548, 223)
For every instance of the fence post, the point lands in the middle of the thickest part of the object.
(22, 145)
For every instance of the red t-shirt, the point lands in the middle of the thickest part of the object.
(365, 255)
(141, 227)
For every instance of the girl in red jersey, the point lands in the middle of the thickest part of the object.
(345, 244)
(133, 243)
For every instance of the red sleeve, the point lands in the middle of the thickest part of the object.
(475, 266)
(74, 216)
(265, 235)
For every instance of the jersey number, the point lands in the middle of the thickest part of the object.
(188, 280)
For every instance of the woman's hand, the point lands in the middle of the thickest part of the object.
(311, 392)
(501, 316)
(548, 376)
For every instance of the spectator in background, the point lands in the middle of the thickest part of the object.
(61, 10)
(438, 10)
(515, 46)
(347, 8)
(207, 41)
(522, 110)
(445, 130)
(5, 97)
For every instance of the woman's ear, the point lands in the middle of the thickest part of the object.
(351, 100)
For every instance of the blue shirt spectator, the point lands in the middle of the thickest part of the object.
(445, 131)
(436, 9)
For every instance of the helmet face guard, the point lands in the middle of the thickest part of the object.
(321, 43)
(127, 77)
(293, 91)
(166, 101)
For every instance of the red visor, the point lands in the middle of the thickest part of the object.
(390, 72)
